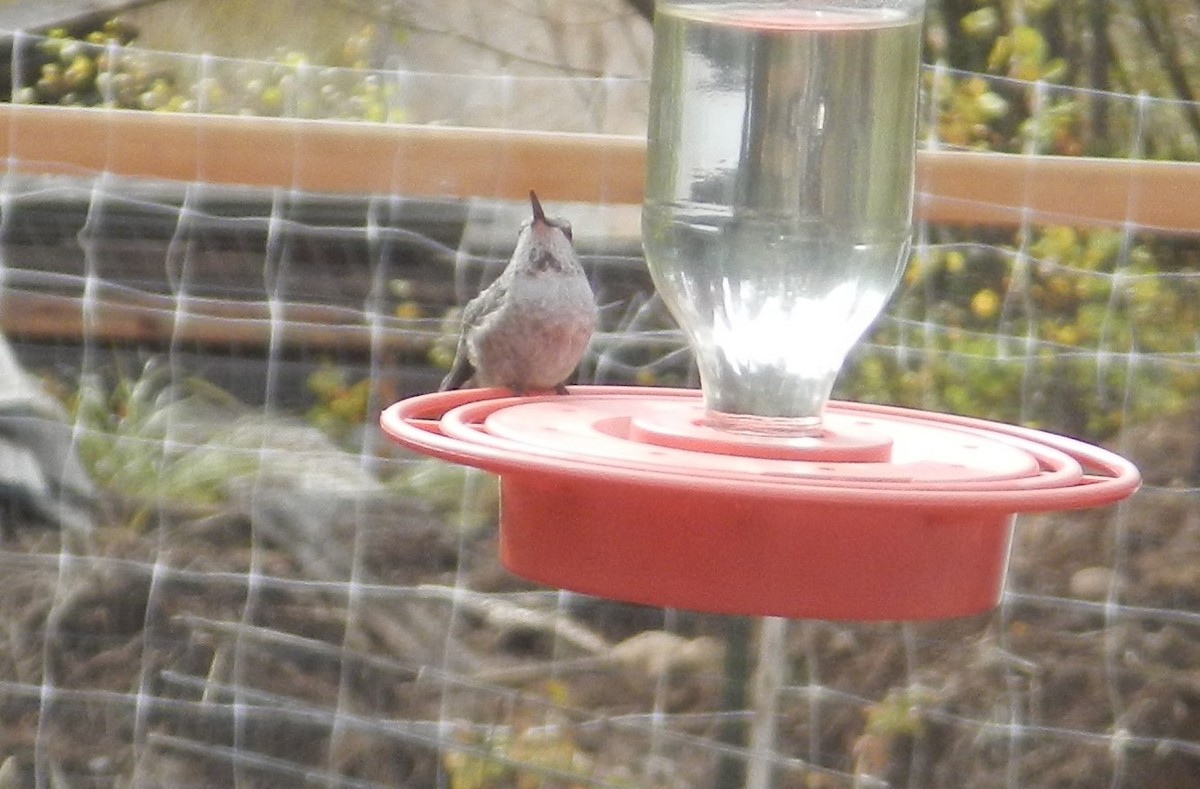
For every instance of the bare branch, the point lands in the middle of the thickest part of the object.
(1164, 42)
(1100, 63)
(398, 22)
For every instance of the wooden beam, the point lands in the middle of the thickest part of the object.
(1007, 190)
(145, 320)
(322, 156)
(962, 188)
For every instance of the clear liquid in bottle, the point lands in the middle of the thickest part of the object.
(779, 193)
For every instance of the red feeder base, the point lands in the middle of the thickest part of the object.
(623, 493)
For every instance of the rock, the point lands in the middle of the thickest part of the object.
(1092, 583)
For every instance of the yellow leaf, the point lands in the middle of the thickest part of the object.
(981, 23)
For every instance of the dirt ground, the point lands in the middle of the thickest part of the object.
(200, 646)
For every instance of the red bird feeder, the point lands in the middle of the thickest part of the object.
(776, 222)
(625, 493)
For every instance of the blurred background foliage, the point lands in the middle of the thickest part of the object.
(102, 68)
(1066, 328)
(1078, 331)
(1033, 49)
(1134, 47)
(1073, 329)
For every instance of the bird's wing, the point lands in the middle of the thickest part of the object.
(21, 472)
(473, 315)
(462, 369)
(480, 306)
(49, 439)
(38, 463)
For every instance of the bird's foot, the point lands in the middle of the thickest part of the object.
(521, 391)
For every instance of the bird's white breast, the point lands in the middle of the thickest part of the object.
(537, 338)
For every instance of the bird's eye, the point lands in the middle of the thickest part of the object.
(565, 227)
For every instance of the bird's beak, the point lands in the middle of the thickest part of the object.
(539, 216)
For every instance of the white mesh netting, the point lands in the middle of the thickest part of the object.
(250, 588)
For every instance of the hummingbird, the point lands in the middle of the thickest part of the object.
(529, 328)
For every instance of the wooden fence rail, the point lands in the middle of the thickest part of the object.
(954, 187)
(334, 165)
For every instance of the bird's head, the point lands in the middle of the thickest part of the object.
(545, 243)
